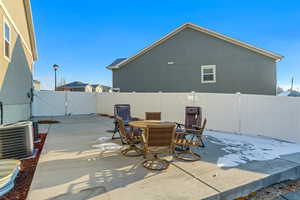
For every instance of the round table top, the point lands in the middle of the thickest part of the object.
(145, 123)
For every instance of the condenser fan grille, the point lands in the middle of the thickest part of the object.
(16, 141)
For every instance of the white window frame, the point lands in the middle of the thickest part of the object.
(203, 67)
(5, 22)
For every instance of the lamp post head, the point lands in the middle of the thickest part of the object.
(55, 67)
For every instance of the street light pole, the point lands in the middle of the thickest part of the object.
(55, 67)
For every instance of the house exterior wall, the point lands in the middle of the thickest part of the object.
(237, 69)
(15, 73)
(88, 88)
(37, 85)
(17, 12)
(97, 89)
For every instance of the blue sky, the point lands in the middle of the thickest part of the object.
(85, 36)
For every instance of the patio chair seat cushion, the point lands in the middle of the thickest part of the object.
(126, 122)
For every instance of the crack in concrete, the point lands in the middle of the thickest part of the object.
(190, 174)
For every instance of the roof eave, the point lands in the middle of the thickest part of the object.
(113, 67)
(31, 29)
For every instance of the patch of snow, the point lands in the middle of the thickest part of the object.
(107, 146)
(241, 149)
(104, 139)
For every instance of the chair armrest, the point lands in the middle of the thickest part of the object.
(181, 133)
(193, 131)
(196, 127)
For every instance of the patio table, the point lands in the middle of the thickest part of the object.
(144, 123)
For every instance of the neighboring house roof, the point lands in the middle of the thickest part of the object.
(95, 85)
(116, 62)
(30, 28)
(103, 86)
(264, 52)
(36, 81)
(290, 94)
(75, 84)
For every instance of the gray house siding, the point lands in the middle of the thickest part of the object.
(237, 69)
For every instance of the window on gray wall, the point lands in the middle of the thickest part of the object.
(208, 73)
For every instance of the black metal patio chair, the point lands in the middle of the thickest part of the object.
(193, 127)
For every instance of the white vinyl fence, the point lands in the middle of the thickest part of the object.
(50, 103)
(277, 117)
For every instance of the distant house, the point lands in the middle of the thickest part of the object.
(96, 88)
(101, 88)
(17, 56)
(76, 86)
(106, 88)
(193, 58)
(36, 85)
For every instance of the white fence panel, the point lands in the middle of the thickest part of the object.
(140, 102)
(48, 103)
(173, 105)
(221, 110)
(277, 117)
(79, 103)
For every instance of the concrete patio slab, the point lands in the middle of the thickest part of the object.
(295, 157)
(279, 198)
(72, 168)
(292, 195)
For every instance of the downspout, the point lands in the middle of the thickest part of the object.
(1, 113)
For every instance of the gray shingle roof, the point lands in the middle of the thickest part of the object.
(75, 84)
(95, 85)
(116, 62)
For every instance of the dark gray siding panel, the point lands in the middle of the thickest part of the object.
(237, 69)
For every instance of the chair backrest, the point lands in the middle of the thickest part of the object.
(193, 117)
(122, 111)
(160, 135)
(153, 115)
(121, 127)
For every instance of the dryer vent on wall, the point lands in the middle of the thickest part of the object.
(16, 140)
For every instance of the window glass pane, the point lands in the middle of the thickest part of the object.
(208, 71)
(7, 32)
(209, 77)
(7, 54)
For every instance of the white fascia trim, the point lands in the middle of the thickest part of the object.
(113, 67)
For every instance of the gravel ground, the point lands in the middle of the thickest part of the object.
(273, 191)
